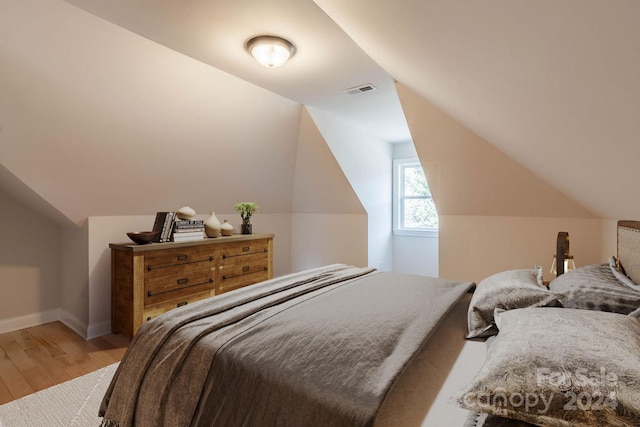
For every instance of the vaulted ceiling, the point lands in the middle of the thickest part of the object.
(553, 84)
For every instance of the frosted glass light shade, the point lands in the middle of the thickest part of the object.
(569, 265)
(270, 51)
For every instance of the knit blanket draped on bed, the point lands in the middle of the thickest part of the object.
(320, 347)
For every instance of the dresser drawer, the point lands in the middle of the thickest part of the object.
(178, 269)
(238, 275)
(157, 262)
(156, 288)
(157, 309)
(241, 252)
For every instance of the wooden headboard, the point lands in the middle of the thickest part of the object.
(629, 248)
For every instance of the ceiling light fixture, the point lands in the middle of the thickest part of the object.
(270, 51)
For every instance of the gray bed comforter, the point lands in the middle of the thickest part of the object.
(321, 347)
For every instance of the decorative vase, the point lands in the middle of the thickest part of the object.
(246, 228)
(185, 212)
(212, 226)
(226, 229)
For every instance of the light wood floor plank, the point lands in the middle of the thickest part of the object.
(13, 381)
(36, 358)
(5, 394)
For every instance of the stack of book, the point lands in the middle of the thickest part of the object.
(163, 224)
(173, 229)
(185, 230)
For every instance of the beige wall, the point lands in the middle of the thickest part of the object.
(494, 213)
(474, 247)
(469, 176)
(319, 184)
(29, 266)
(322, 239)
(129, 127)
(74, 278)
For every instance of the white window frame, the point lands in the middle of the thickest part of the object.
(398, 166)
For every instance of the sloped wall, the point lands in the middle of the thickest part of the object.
(129, 127)
(320, 185)
(367, 163)
(494, 213)
(329, 224)
(474, 177)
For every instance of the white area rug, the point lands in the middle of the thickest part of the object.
(74, 403)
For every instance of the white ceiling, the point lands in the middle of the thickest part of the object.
(553, 84)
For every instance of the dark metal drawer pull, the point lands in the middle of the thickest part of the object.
(182, 281)
(245, 268)
(182, 257)
(245, 248)
(180, 304)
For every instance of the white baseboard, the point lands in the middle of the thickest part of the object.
(98, 329)
(29, 320)
(74, 323)
(35, 319)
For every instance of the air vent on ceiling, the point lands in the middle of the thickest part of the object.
(361, 89)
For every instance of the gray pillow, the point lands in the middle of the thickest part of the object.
(506, 290)
(595, 287)
(560, 367)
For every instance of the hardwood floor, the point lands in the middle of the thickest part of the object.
(35, 358)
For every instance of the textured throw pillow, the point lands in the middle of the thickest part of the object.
(506, 290)
(595, 287)
(560, 367)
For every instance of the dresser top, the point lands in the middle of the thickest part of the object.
(134, 247)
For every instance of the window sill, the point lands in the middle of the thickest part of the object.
(431, 232)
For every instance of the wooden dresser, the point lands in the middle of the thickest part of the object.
(148, 280)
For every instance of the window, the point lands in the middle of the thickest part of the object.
(414, 210)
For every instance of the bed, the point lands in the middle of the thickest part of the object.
(278, 353)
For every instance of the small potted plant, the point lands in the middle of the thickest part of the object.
(246, 209)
